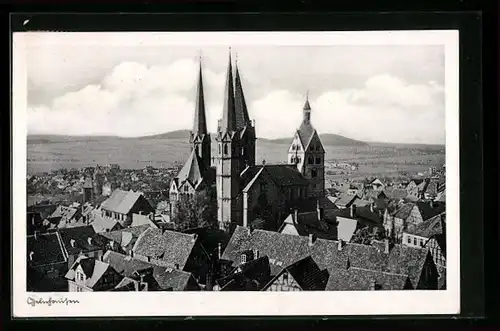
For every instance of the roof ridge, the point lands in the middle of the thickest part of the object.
(380, 271)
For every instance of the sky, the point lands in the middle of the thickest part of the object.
(383, 93)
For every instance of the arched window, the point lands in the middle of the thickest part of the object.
(225, 149)
(310, 160)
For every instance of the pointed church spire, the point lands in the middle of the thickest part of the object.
(200, 120)
(228, 122)
(242, 118)
(307, 106)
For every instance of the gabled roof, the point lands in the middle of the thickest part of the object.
(64, 213)
(93, 269)
(345, 199)
(80, 235)
(104, 224)
(138, 220)
(47, 249)
(124, 264)
(289, 249)
(308, 223)
(357, 279)
(250, 276)
(43, 210)
(169, 247)
(192, 171)
(121, 201)
(170, 279)
(125, 237)
(282, 175)
(308, 275)
(428, 228)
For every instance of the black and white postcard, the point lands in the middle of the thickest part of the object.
(213, 173)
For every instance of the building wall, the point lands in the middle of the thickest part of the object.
(74, 287)
(437, 253)
(412, 240)
(314, 167)
(284, 282)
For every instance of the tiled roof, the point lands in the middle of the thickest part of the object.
(80, 236)
(364, 215)
(93, 269)
(306, 132)
(138, 220)
(127, 237)
(63, 213)
(281, 174)
(124, 264)
(210, 238)
(104, 224)
(172, 279)
(396, 193)
(428, 228)
(284, 250)
(310, 204)
(121, 201)
(251, 276)
(308, 223)
(46, 248)
(170, 247)
(427, 211)
(345, 199)
(308, 275)
(356, 279)
(126, 284)
(228, 121)
(192, 170)
(43, 210)
(404, 211)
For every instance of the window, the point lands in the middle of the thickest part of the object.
(186, 188)
(409, 240)
(421, 243)
(220, 147)
(318, 160)
(314, 173)
(415, 241)
(225, 149)
(243, 258)
(310, 160)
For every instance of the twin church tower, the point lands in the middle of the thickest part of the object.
(233, 170)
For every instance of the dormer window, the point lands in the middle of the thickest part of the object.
(243, 258)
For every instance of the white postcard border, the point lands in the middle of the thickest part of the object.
(122, 304)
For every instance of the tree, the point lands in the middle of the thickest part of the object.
(365, 236)
(198, 210)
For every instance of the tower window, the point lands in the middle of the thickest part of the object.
(310, 160)
(225, 149)
(314, 173)
(318, 160)
(220, 147)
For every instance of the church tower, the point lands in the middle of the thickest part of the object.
(307, 153)
(200, 138)
(244, 124)
(228, 158)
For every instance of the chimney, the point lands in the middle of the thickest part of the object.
(152, 216)
(131, 253)
(31, 255)
(194, 238)
(89, 240)
(318, 210)
(311, 239)
(386, 246)
(36, 234)
(373, 285)
(296, 214)
(177, 266)
(340, 244)
(256, 254)
(352, 210)
(140, 212)
(219, 250)
(72, 242)
(431, 203)
(371, 207)
(33, 220)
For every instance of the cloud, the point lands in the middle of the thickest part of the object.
(136, 99)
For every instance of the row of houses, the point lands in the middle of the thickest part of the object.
(148, 259)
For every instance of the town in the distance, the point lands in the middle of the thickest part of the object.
(224, 222)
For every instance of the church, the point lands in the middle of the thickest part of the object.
(245, 191)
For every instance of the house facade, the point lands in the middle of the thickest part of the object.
(122, 204)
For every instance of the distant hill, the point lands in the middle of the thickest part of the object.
(328, 139)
